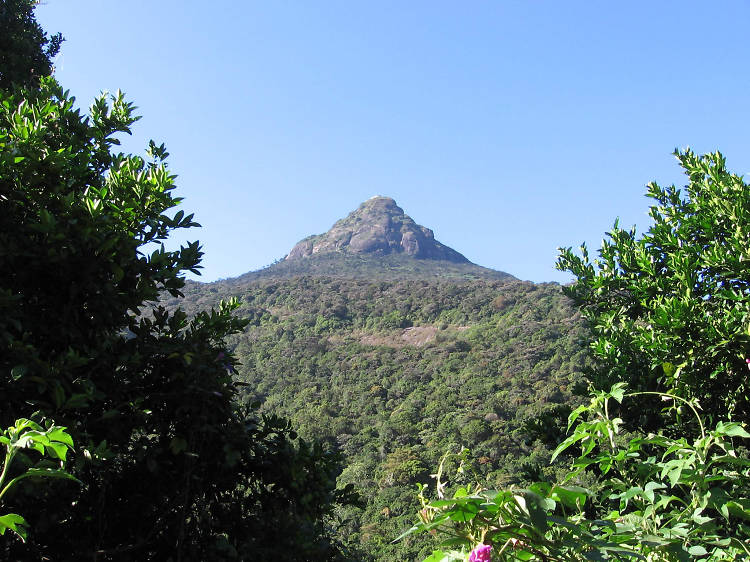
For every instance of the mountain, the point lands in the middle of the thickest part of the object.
(375, 241)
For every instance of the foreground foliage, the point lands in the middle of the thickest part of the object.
(52, 442)
(670, 309)
(652, 497)
(171, 468)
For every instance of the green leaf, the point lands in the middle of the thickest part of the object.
(436, 556)
(731, 429)
(464, 513)
(739, 508)
(700, 519)
(648, 490)
(618, 391)
(440, 556)
(58, 473)
(59, 450)
(669, 369)
(59, 434)
(567, 443)
(437, 522)
(570, 496)
(15, 523)
(408, 532)
(575, 413)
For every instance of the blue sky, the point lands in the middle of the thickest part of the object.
(509, 128)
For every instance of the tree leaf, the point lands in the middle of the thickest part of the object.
(15, 523)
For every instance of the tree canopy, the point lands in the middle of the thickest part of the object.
(670, 309)
(26, 52)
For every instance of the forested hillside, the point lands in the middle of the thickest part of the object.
(395, 374)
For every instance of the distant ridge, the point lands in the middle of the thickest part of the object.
(377, 241)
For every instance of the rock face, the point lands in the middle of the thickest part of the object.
(377, 227)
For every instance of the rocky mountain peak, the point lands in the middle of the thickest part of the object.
(377, 227)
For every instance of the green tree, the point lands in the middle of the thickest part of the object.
(25, 50)
(171, 468)
(670, 310)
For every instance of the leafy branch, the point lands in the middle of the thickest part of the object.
(52, 442)
(658, 497)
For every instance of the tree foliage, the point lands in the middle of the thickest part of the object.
(26, 52)
(670, 309)
(656, 498)
(171, 468)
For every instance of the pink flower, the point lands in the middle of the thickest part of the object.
(480, 553)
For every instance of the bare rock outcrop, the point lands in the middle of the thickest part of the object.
(378, 227)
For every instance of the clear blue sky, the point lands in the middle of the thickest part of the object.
(509, 128)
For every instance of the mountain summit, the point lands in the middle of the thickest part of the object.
(379, 227)
(375, 241)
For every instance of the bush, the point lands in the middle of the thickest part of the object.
(670, 310)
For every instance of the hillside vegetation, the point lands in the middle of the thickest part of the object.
(385, 268)
(395, 374)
